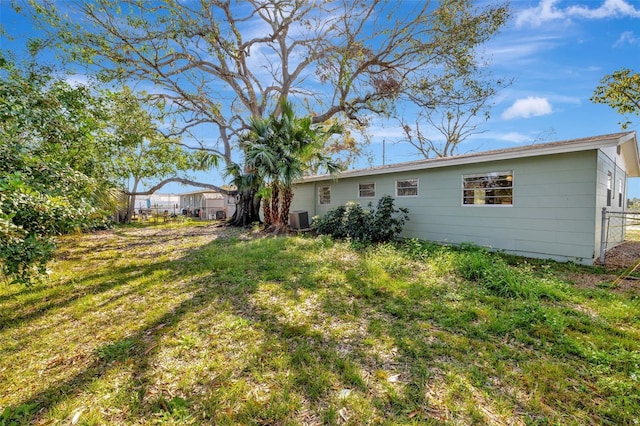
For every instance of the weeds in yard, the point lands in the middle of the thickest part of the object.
(196, 325)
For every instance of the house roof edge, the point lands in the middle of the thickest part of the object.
(626, 139)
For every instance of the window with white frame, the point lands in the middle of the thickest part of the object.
(324, 194)
(366, 190)
(620, 191)
(493, 188)
(407, 188)
(609, 189)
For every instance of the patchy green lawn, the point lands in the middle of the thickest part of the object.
(200, 325)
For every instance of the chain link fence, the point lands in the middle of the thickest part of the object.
(614, 229)
(160, 213)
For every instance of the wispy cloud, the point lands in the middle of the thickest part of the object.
(528, 107)
(556, 98)
(520, 49)
(390, 131)
(514, 137)
(627, 37)
(549, 10)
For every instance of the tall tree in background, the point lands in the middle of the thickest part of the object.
(450, 110)
(144, 153)
(219, 64)
(621, 91)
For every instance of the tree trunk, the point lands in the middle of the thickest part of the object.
(281, 216)
(275, 205)
(132, 198)
(287, 198)
(247, 209)
(266, 210)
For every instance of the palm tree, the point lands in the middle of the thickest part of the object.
(280, 149)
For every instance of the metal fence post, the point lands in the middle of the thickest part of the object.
(603, 242)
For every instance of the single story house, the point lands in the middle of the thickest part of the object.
(541, 200)
(207, 205)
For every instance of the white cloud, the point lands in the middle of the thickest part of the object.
(548, 10)
(608, 9)
(529, 107)
(627, 37)
(545, 11)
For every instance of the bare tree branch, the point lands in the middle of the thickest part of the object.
(217, 66)
(155, 188)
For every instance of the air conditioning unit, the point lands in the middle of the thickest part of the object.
(299, 219)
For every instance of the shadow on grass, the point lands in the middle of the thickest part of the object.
(41, 299)
(12, 315)
(433, 328)
(140, 344)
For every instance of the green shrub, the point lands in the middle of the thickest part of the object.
(353, 222)
(31, 217)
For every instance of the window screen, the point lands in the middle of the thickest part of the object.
(407, 188)
(366, 190)
(494, 188)
(324, 194)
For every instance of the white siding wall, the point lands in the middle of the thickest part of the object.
(610, 162)
(230, 205)
(304, 198)
(553, 212)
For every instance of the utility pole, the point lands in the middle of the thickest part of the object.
(384, 149)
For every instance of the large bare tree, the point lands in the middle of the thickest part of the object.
(217, 64)
(450, 109)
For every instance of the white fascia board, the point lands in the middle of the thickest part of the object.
(629, 147)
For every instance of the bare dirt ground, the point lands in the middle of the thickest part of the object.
(621, 258)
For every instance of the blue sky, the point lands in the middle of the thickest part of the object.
(556, 51)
